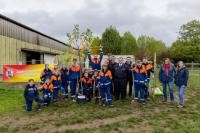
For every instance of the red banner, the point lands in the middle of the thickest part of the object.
(22, 73)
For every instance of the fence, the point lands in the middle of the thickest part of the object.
(194, 68)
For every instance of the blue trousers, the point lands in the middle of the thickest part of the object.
(105, 94)
(73, 84)
(65, 86)
(29, 104)
(55, 94)
(47, 98)
(169, 84)
(139, 88)
(146, 91)
(87, 91)
(181, 93)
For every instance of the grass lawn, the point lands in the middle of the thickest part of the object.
(123, 117)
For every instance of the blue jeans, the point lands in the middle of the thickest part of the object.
(169, 84)
(181, 93)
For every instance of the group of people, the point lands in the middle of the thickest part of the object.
(104, 81)
(178, 75)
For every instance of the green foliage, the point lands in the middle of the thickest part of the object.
(111, 41)
(184, 52)
(190, 32)
(187, 46)
(129, 45)
(95, 46)
(87, 37)
(80, 41)
(147, 46)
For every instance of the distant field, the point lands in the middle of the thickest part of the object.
(123, 117)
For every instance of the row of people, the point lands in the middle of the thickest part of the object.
(105, 83)
(97, 85)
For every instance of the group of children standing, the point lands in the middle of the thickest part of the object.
(55, 83)
(94, 84)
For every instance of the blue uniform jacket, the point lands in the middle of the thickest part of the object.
(140, 75)
(95, 64)
(30, 93)
(74, 72)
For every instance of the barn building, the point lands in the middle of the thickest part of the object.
(20, 44)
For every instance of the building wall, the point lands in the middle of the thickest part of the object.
(10, 51)
(15, 36)
(49, 58)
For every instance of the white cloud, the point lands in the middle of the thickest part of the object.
(160, 19)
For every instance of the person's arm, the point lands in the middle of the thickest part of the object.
(146, 76)
(51, 87)
(127, 70)
(70, 73)
(110, 75)
(36, 92)
(67, 77)
(25, 92)
(174, 71)
(59, 78)
(41, 87)
(42, 74)
(152, 70)
(186, 76)
(79, 73)
(101, 55)
(89, 55)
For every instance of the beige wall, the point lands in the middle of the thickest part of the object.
(10, 51)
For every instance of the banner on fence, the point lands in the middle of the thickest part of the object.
(22, 73)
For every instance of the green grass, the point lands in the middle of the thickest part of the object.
(153, 117)
(11, 99)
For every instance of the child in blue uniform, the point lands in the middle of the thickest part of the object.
(31, 94)
(47, 90)
(74, 75)
(65, 80)
(46, 73)
(105, 78)
(56, 81)
(87, 86)
(140, 81)
(95, 62)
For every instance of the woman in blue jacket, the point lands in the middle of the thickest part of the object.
(166, 77)
(181, 80)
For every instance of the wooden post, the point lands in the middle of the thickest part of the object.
(155, 65)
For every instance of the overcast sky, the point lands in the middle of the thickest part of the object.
(158, 18)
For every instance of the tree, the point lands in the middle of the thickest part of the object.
(147, 46)
(87, 38)
(129, 44)
(80, 41)
(95, 47)
(190, 32)
(111, 41)
(184, 52)
(187, 45)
